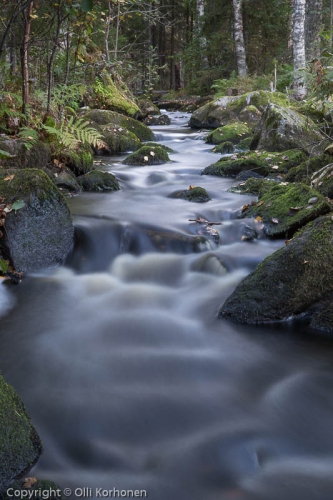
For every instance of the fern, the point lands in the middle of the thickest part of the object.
(29, 137)
(71, 134)
(5, 154)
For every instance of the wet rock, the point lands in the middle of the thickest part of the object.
(245, 108)
(96, 180)
(154, 144)
(20, 446)
(288, 282)
(248, 174)
(194, 194)
(39, 234)
(245, 144)
(66, 180)
(224, 148)
(233, 133)
(157, 120)
(210, 264)
(262, 163)
(282, 128)
(249, 233)
(146, 155)
(147, 107)
(284, 209)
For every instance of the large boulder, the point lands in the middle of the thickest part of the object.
(111, 118)
(244, 108)
(286, 208)
(20, 446)
(96, 180)
(147, 155)
(288, 282)
(38, 156)
(38, 231)
(282, 128)
(147, 107)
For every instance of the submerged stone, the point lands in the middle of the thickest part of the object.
(194, 194)
(288, 282)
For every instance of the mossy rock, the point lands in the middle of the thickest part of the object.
(40, 234)
(262, 163)
(40, 490)
(234, 133)
(246, 108)
(245, 144)
(282, 128)
(224, 148)
(286, 208)
(80, 160)
(20, 446)
(154, 144)
(304, 171)
(147, 107)
(114, 96)
(104, 117)
(194, 194)
(65, 179)
(96, 180)
(147, 156)
(254, 185)
(37, 157)
(287, 282)
(157, 120)
(116, 140)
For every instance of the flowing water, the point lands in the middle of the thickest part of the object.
(131, 380)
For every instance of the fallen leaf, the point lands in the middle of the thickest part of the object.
(18, 205)
(268, 204)
(9, 177)
(258, 219)
(305, 262)
(287, 242)
(190, 187)
(152, 153)
(28, 482)
(275, 167)
(285, 158)
(145, 158)
(275, 221)
(260, 203)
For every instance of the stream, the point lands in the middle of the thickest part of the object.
(130, 378)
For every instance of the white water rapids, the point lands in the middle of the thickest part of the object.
(129, 377)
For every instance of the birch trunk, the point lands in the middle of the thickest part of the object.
(24, 58)
(299, 48)
(239, 38)
(313, 25)
(200, 8)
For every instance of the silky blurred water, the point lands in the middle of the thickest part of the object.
(131, 380)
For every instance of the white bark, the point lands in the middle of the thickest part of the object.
(239, 38)
(200, 8)
(299, 47)
(313, 25)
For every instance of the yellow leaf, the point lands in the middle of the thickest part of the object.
(258, 219)
(9, 177)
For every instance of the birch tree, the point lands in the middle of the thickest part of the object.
(200, 12)
(299, 48)
(239, 38)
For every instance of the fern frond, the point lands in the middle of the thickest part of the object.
(29, 137)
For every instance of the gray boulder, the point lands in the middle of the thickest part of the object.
(38, 231)
(282, 128)
(288, 282)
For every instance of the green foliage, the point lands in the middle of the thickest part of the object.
(29, 136)
(240, 85)
(4, 154)
(72, 133)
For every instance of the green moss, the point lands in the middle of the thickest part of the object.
(289, 281)
(108, 95)
(36, 157)
(154, 144)
(254, 185)
(233, 133)
(224, 148)
(195, 194)
(112, 119)
(261, 162)
(147, 156)
(80, 160)
(286, 208)
(303, 172)
(245, 144)
(97, 180)
(20, 445)
(259, 100)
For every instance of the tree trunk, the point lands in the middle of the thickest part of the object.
(200, 8)
(299, 48)
(313, 25)
(239, 38)
(51, 58)
(24, 58)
